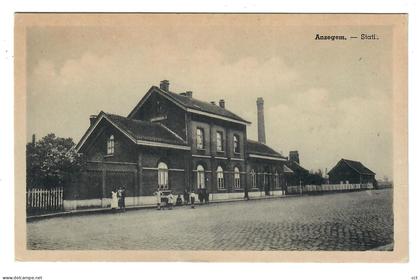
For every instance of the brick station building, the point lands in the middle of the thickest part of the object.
(174, 141)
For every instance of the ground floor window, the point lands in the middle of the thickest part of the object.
(237, 178)
(220, 179)
(276, 180)
(162, 175)
(200, 177)
(253, 179)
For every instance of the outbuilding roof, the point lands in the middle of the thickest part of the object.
(258, 148)
(356, 166)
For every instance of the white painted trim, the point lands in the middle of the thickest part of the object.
(170, 169)
(237, 159)
(266, 157)
(216, 116)
(221, 158)
(173, 133)
(112, 162)
(201, 156)
(150, 168)
(163, 145)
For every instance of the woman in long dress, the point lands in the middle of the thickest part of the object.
(114, 200)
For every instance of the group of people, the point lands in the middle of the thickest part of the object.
(167, 200)
(118, 199)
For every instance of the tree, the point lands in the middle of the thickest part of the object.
(51, 161)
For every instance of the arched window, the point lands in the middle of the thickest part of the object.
(253, 179)
(200, 138)
(237, 178)
(110, 145)
(236, 144)
(200, 177)
(220, 179)
(162, 175)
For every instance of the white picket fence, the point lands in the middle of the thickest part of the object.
(43, 200)
(328, 188)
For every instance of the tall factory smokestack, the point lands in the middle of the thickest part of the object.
(261, 126)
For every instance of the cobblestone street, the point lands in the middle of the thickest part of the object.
(343, 221)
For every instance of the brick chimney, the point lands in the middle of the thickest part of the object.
(261, 126)
(222, 103)
(188, 94)
(164, 85)
(92, 119)
(294, 156)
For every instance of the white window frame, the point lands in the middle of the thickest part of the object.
(219, 141)
(201, 178)
(110, 145)
(220, 178)
(253, 179)
(200, 138)
(236, 148)
(163, 178)
(236, 178)
(276, 180)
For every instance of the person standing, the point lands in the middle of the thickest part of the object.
(178, 200)
(186, 197)
(192, 199)
(123, 192)
(119, 195)
(158, 198)
(170, 201)
(114, 200)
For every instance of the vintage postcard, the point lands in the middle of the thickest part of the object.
(211, 137)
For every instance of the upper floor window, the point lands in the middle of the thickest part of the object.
(220, 179)
(236, 178)
(219, 141)
(110, 145)
(200, 138)
(162, 175)
(253, 179)
(236, 144)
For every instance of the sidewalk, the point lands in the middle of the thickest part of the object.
(129, 208)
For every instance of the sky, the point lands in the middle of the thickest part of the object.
(327, 99)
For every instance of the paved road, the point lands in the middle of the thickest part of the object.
(346, 221)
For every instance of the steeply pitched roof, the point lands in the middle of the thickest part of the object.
(190, 103)
(145, 130)
(254, 147)
(140, 132)
(358, 167)
(196, 104)
(294, 166)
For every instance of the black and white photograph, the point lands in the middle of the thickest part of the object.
(176, 134)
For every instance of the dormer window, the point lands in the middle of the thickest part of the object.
(110, 145)
(200, 138)
(236, 144)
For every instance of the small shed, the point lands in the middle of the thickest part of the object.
(351, 172)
